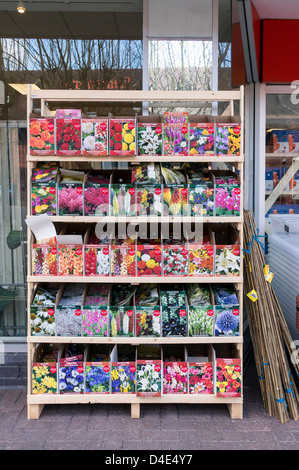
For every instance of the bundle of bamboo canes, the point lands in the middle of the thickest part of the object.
(271, 339)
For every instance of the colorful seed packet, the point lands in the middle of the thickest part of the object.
(123, 258)
(96, 195)
(70, 260)
(150, 138)
(97, 377)
(43, 199)
(201, 260)
(97, 260)
(71, 378)
(201, 379)
(95, 321)
(175, 377)
(228, 378)
(68, 132)
(68, 320)
(227, 194)
(227, 260)
(149, 259)
(122, 321)
(175, 139)
(44, 378)
(148, 321)
(123, 377)
(149, 378)
(175, 259)
(122, 136)
(202, 136)
(174, 321)
(94, 136)
(70, 193)
(122, 199)
(41, 136)
(200, 320)
(42, 320)
(44, 260)
(149, 200)
(201, 199)
(227, 139)
(175, 200)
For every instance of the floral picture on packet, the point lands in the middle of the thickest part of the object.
(201, 139)
(123, 377)
(44, 260)
(150, 138)
(228, 378)
(122, 136)
(228, 139)
(97, 377)
(175, 377)
(71, 378)
(201, 378)
(149, 378)
(94, 137)
(42, 136)
(68, 132)
(149, 260)
(148, 321)
(44, 378)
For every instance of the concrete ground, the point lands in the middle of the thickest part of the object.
(160, 427)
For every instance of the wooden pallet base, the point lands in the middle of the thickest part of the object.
(34, 410)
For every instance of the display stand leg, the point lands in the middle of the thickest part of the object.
(135, 410)
(34, 411)
(235, 410)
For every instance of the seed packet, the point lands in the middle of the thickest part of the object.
(201, 378)
(122, 199)
(70, 260)
(227, 310)
(201, 260)
(228, 378)
(174, 321)
(227, 193)
(41, 136)
(122, 136)
(175, 377)
(43, 199)
(97, 377)
(227, 139)
(96, 195)
(200, 311)
(201, 199)
(227, 260)
(148, 321)
(42, 312)
(149, 200)
(150, 138)
(175, 139)
(146, 174)
(44, 260)
(123, 258)
(71, 377)
(175, 259)
(149, 259)
(149, 378)
(123, 377)
(70, 192)
(94, 136)
(173, 297)
(96, 310)
(68, 132)
(121, 321)
(44, 378)
(201, 137)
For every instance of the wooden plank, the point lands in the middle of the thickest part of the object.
(135, 410)
(136, 280)
(34, 411)
(136, 159)
(144, 219)
(235, 410)
(135, 340)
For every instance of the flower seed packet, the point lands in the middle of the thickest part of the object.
(43, 199)
(175, 139)
(96, 194)
(70, 260)
(202, 136)
(71, 377)
(227, 193)
(149, 259)
(227, 251)
(94, 136)
(150, 139)
(227, 310)
(148, 321)
(149, 378)
(44, 378)
(174, 321)
(228, 139)
(97, 377)
(175, 259)
(68, 132)
(201, 256)
(121, 321)
(44, 260)
(122, 136)
(123, 257)
(201, 380)
(123, 377)
(175, 377)
(42, 136)
(228, 377)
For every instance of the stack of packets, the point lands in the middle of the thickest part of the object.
(200, 311)
(42, 311)
(71, 371)
(43, 189)
(227, 311)
(68, 310)
(147, 311)
(95, 310)
(121, 311)
(174, 311)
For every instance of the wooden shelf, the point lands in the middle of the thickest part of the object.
(36, 402)
(134, 340)
(134, 280)
(143, 219)
(135, 159)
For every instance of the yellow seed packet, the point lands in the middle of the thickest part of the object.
(252, 295)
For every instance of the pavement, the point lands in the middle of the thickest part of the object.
(160, 427)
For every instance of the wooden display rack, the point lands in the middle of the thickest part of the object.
(35, 403)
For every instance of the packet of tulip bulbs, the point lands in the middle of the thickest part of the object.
(96, 194)
(68, 132)
(42, 312)
(227, 193)
(94, 134)
(150, 137)
(123, 257)
(227, 139)
(202, 137)
(122, 136)
(149, 258)
(228, 377)
(42, 136)
(227, 251)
